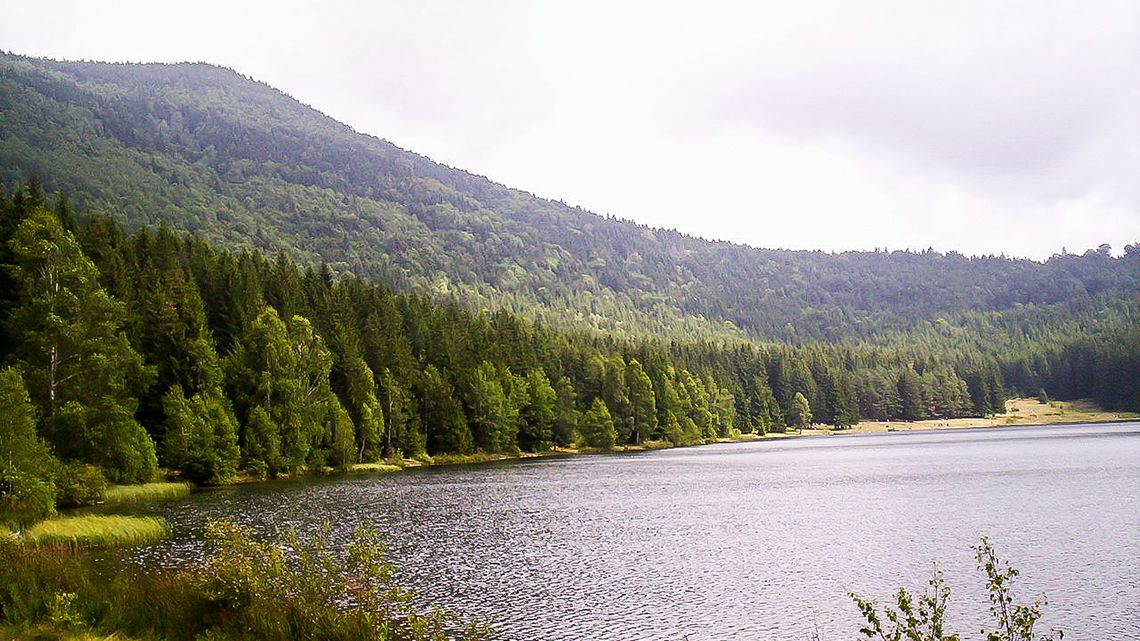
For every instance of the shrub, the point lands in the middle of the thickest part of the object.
(299, 588)
(914, 617)
(79, 484)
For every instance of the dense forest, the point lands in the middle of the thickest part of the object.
(244, 166)
(205, 276)
(124, 352)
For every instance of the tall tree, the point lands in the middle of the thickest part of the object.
(81, 371)
(539, 414)
(565, 428)
(643, 404)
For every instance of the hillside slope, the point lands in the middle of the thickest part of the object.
(212, 152)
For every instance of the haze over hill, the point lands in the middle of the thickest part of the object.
(207, 150)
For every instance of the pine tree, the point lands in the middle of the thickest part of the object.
(444, 424)
(539, 414)
(643, 404)
(565, 428)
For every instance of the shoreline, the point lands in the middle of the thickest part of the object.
(1020, 412)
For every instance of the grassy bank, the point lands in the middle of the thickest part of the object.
(95, 531)
(145, 492)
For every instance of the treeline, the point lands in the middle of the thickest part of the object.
(130, 352)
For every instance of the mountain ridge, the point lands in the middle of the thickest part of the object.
(211, 151)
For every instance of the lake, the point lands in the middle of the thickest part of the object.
(758, 540)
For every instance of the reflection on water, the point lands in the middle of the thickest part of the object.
(742, 541)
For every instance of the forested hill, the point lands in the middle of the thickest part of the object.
(240, 163)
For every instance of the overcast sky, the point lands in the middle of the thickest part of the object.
(984, 127)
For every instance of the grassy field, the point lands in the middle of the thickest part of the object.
(1018, 411)
(96, 531)
(145, 492)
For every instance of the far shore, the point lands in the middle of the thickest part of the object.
(1019, 412)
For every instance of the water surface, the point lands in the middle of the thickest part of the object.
(742, 541)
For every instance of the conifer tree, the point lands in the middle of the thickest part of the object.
(445, 426)
(539, 414)
(565, 428)
(643, 404)
(597, 427)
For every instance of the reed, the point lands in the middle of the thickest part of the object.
(145, 492)
(96, 531)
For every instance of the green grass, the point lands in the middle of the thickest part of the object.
(376, 467)
(145, 492)
(96, 531)
(467, 459)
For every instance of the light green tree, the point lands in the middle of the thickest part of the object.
(79, 368)
(801, 412)
(201, 438)
(27, 490)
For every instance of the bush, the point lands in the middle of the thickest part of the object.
(79, 484)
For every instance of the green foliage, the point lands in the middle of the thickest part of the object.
(300, 588)
(324, 369)
(923, 617)
(27, 486)
(282, 368)
(217, 154)
(1014, 622)
(800, 414)
(565, 428)
(201, 437)
(536, 421)
(913, 618)
(643, 405)
(445, 425)
(79, 484)
(79, 367)
(597, 427)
